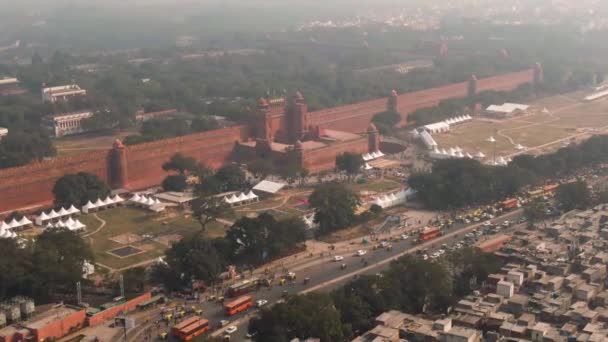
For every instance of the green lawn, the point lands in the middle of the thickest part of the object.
(138, 221)
(380, 185)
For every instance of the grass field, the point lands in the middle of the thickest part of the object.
(87, 143)
(568, 117)
(376, 185)
(136, 221)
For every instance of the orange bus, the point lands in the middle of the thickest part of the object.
(509, 204)
(550, 189)
(190, 328)
(429, 233)
(238, 305)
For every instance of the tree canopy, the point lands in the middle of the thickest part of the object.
(573, 195)
(175, 183)
(180, 164)
(454, 183)
(77, 189)
(51, 264)
(22, 147)
(350, 163)
(410, 284)
(255, 240)
(308, 316)
(334, 205)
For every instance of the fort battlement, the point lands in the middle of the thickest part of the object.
(140, 166)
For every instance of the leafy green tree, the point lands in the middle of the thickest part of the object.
(192, 258)
(231, 178)
(535, 211)
(134, 279)
(307, 316)
(573, 195)
(350, 163)
(77, 189)
(261, 167)
(385, 121)
(255, 240)
(208, 209)
(175, 183)
(334, 206)
(15, 269)
(180, 164)
(204, 123)
(22, 147)
(58, 258)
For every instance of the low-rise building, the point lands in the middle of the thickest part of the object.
(62, 93)
(459, 334)
(68, 123)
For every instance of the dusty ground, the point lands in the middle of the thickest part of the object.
(568, 119)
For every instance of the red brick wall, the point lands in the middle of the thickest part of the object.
(214, 148)
(112, 312)
(356, 117)
(31, 185)
(61, 328)
(325, 158)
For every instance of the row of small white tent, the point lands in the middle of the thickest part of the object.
(6, 234)
(144, 200)
(458, 119)
(456, 152)
(70, 224)
(240, 198)
(391, 200)
(100, 204)
(52, 215)
(501, 161)
(14, 223)
(372, 156)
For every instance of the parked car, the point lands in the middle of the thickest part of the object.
(261, 302)
(338, 258)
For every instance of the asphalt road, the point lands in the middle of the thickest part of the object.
(327, 275)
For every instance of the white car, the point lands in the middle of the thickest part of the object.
(441, 251)
(383, 244)
(338, 258)
(361, 252)
(261, 302)
(231, 329)
(425, 257)
(404, 237)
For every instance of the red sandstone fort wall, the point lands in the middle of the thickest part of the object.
(213, 148)
(356, 117)
(325, 158)
(32, 185)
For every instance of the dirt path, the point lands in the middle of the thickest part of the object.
(102, 224)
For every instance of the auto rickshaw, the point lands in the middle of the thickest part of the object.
(306, 281)
(343, 266)
(163, 335)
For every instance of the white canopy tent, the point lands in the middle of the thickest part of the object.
(269, 187)
(241, 198)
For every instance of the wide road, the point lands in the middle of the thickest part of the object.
(327, 275)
